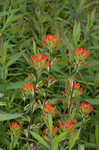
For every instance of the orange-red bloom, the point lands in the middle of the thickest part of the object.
(50, 40)
(28, 86)
(77, 87)
(66, 125)
(86, 108)
(48, 108)
(81, 54)
(14, 125)
(40, 59)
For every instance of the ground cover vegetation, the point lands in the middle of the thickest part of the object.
(49, 75)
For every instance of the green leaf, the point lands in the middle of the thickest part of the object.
(91, 145)
(91, 18)
(81, 147)
(59, 138)
(13, 59)
(55, 146)
(50, 123)
(92, 101)
(3, 53)
(7, 116)
(2, 104)
(39, 139)
(76, 32)
(97, 133)
(73, 138)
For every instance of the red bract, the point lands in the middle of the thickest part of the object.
(86, 108)
(28, 86)
(40, 59)
(48, 108)
(66, 125)
(77, 87)
(50, 40)
(81, 54)
(14, 125)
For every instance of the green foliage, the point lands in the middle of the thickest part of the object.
(39, 139)
(7, 116)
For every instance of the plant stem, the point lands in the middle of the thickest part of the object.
(72, 91)
(31, 113)
(50, 59)
(80, 132)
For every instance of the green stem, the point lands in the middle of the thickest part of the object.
(72, 91)
(31, 113)
(49, 71)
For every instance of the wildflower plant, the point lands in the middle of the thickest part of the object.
(54, 131)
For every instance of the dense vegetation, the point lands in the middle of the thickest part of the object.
(49, 75)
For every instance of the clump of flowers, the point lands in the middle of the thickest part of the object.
(66, 125)
(14, 126)
(27, 87)
(86, 108)
(50, 40)
(80, 54)
(77, 89)
(40, 60)
(48, 108)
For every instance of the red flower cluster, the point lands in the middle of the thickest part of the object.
(66, 125)
(81, 53)
(48, 108)
(40, 58)
(86, 108)
(50, 40)
(28, 86)
(77, 86)
(14, 126)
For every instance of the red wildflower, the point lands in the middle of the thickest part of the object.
(86, 108)
(73, 53)
(81, 53)
(40, 59)
(50, 40)
(28, 86)
(14, 125)
(66, 125)
(50, 37)
(44, 38)
(48, 108)
(76, 85)
(74, 121)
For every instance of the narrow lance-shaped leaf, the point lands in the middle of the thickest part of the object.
(50, 123)
(13, 59)
(39, 139)
(59, 138)
(76, 32)
(97, 133)
(73, 138)
(7, 116)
